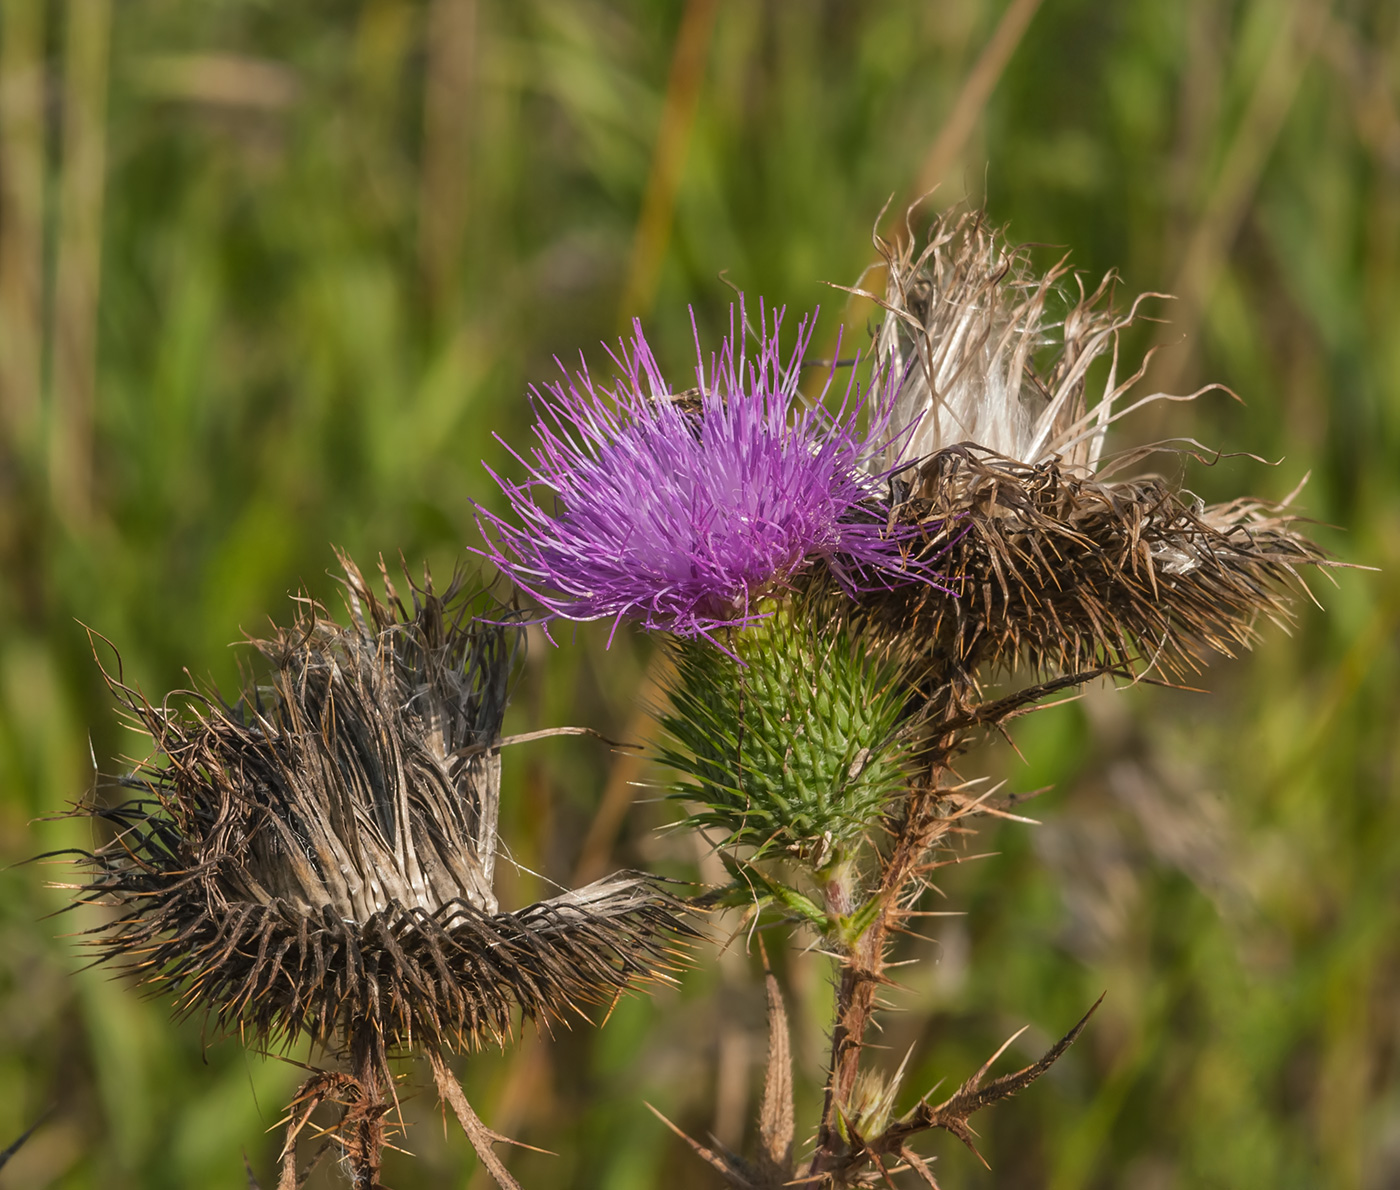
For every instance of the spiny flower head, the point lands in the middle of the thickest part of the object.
(318, 859)
(683, 513)
(1078, 570)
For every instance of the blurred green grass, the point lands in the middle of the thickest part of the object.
(272, 277)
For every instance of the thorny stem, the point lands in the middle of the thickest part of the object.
(364, 1122)
(863, 961)
(855, 992)
(360, 1132)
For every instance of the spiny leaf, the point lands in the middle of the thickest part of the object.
(751, 886)
(972, 1096)
(953, 1113)
(919, 1166)
(481, 1137)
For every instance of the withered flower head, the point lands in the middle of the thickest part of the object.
(1060, 566)
(317, 860)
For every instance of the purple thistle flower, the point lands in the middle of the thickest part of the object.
(683, 517)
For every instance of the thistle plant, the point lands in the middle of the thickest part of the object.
(851, 592)
(316, 862)
(973, 551)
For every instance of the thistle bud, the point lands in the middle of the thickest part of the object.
(792, 736)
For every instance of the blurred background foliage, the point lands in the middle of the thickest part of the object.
(273, 275)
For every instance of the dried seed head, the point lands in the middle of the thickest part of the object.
(1058, 567)
(973, 355)
(1064, 574)
(318, 859)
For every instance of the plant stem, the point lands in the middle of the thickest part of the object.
(863, 960)
(861, 974)
(364, 1122)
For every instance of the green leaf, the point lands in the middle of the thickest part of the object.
(851, 928)
(754, 887)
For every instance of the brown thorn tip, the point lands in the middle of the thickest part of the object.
(728, 1168)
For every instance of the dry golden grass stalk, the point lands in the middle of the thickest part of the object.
(317, 860)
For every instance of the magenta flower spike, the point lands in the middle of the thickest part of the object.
(683, 512)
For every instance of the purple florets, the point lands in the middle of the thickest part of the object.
(684, 513)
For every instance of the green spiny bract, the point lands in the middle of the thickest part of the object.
(792, 739)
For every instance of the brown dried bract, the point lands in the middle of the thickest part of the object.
(1063, 574)
(1059, 570)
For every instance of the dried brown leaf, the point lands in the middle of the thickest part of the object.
(735, 1171)
(953, 1113)
(919, 1166)
(776, 1116)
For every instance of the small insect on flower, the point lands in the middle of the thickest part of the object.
(685, 514)
(317, 861)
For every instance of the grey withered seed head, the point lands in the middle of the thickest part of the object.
(317, 859)
(1060, 565)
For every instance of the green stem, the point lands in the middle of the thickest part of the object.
(861, 973)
